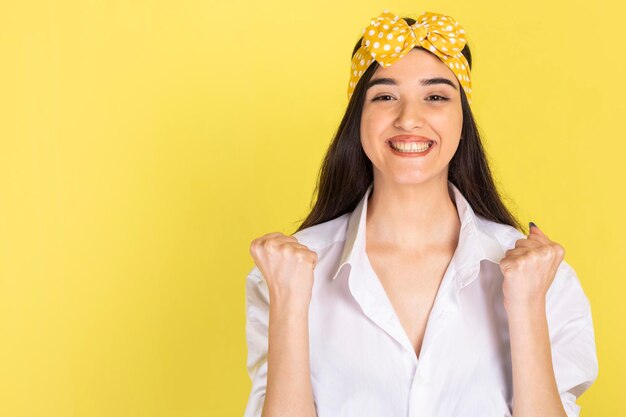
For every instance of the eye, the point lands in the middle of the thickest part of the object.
(439, 98)
(380, 98)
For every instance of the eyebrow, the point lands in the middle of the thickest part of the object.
(423, 82)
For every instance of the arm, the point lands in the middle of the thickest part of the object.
(535, 391)
(553, 350)
(550, 328)
(278, 354)
(289, 391)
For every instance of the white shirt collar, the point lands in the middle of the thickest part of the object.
(475, 241)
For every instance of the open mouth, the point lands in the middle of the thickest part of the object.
(411, 147)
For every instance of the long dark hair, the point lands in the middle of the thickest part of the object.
(346, 171)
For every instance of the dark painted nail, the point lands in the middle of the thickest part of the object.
(531, 224)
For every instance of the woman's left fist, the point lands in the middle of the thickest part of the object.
(529, 269)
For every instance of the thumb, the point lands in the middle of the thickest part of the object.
(533, 229)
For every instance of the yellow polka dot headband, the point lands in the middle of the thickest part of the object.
(388, 38)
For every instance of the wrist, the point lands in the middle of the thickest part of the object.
(525, 307)
(290, 301)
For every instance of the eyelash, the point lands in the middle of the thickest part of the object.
(434, 95)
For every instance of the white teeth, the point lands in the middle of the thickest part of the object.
(411, 146)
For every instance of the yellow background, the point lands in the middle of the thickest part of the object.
(144, 144)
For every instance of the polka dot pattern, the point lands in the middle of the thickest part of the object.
(388, 38)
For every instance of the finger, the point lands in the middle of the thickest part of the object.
(270, 235)
(515, 252)
(279, 237)
(259, 240)
(509, 260)
(270, 240)
(528, 243)
(286, 238)
(306, 252)
(535, 232)
(298, 246)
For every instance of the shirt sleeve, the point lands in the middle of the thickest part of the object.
(257, 318)
(572, 340)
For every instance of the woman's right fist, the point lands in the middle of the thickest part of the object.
(286, 265)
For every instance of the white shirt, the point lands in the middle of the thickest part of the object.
(362, 361)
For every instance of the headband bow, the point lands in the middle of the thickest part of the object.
(388, 38)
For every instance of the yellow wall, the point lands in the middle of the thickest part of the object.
(144, 144)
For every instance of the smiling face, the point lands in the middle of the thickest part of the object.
(399, 107)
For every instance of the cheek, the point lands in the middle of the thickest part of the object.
(371, 131)
(371, 127)
(449, 126)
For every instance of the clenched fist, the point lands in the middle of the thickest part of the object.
(529, 269)
(286, 265)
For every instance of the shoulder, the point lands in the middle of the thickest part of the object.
(505, 234)
(323, 235)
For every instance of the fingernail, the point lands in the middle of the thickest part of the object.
(531, 224)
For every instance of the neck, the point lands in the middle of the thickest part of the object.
(412, 217)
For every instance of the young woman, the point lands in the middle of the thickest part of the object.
(410, 289)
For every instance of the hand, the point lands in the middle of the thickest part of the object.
(286, 265)
(529, 269)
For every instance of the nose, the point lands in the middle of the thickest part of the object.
(409, 116)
